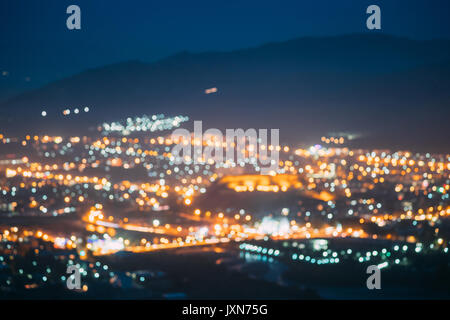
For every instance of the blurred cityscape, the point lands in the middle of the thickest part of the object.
(116, 204)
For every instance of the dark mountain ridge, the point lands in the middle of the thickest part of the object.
(394, 91)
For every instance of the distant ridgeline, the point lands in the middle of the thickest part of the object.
(394, 91)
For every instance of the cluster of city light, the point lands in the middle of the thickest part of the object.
(259, 249)
(144, 124)
(68, 111)
(321, 255)
(333, 140)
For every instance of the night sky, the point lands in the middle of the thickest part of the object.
(37, 44)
